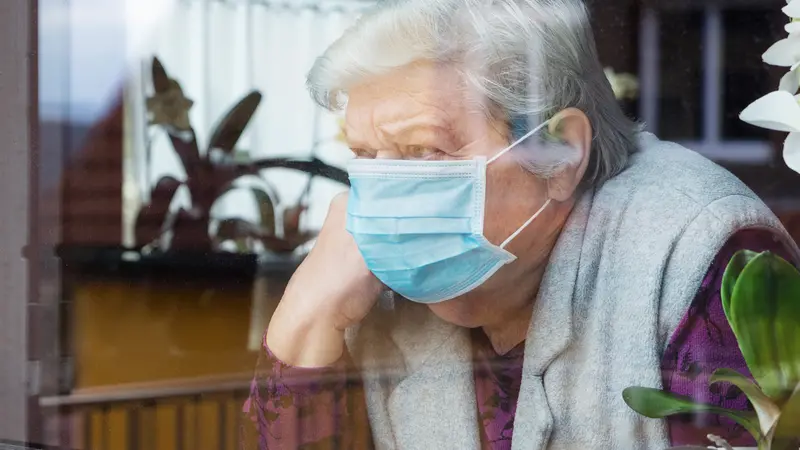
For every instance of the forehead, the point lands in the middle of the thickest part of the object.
(435, 90)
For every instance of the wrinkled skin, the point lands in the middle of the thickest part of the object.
(425, 111)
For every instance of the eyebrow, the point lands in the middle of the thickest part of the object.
(354, 141)
(420, 130)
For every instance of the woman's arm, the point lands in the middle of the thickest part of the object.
(305, 394)
(301, 408)
(704, 342)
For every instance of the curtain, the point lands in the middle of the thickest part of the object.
(219, 51)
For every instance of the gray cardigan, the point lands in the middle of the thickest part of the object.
(625, 269)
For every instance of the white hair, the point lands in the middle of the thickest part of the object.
(527, 60)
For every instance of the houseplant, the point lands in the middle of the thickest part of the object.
(212, 173)
(760, 295)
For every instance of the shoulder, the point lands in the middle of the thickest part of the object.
(665, 174)
(675, 210)
(705, 312)
(669, 193)
(704, 342)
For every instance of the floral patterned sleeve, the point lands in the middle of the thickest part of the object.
(704, 342)
(305, 409)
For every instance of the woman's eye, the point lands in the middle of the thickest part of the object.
(362, 154)
(422, 152)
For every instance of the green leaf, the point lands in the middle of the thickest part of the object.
(764, 312)
(766, 410)
(657, 404)
(786, 433)
(731, 276)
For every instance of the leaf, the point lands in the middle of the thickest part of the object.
(233, 229)
(291, 220)
(731, 276)
(786, 433)
(160, 77)
(232, 125)
(766, 410)
(150, 220)
(184, 142)
(764, 313)
(657, 404)
(266, 210)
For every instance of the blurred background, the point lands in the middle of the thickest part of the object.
(171, 172)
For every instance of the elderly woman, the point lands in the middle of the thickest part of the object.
(512, 254)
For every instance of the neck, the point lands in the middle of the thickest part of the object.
(511, 326)
(512, 331)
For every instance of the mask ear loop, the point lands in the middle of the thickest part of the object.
(546, 204)
(518, 141)
(525, 225)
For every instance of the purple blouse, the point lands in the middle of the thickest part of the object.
(296, 408)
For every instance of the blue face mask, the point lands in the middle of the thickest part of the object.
(419, 224)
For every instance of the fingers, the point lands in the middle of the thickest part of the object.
(336, 213)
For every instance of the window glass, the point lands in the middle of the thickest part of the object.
(418, 224)
(747, 33)
(681, 98)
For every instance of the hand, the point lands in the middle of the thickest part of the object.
(330, 291)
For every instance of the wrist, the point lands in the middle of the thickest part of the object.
(303, 341)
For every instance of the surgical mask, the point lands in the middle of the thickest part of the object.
(419, 224)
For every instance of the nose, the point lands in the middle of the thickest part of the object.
(388, 154)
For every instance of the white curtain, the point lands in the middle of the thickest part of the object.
(219, 51)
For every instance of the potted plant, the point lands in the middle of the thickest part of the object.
(761, 298)
(212, 173)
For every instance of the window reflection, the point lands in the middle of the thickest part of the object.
(182, 217)
(681, 100)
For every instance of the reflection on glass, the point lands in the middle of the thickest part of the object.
(748, 33)
(681, 91)
(217, 52)
(158, 327)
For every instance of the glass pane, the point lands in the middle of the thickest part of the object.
(681, 98)
(179, 203)
(748, 33)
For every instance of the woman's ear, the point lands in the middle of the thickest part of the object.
(573, 129)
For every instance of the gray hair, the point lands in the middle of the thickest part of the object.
(529, 58)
